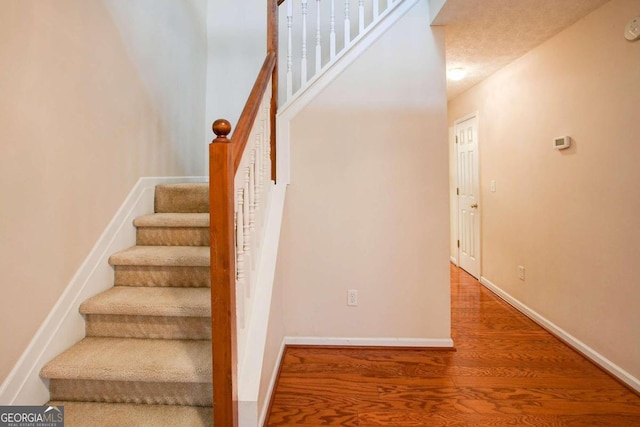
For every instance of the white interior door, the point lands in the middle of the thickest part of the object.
(468, 191)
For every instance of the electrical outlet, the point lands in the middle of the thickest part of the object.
(521, 273)
(352, 298)
(493, 185)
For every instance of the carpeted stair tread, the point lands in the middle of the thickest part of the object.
(151, 301)
(82, 414)
(173, 220)
(166, 256)
(130, 359)
(192, 197)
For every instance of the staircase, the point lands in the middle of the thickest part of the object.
(146, 357)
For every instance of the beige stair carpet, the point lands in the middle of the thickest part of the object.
(146, 358)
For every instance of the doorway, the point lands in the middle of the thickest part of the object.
(468, 193)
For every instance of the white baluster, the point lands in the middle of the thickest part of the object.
(360, 16)
(240, 272)
(258, 190)
(303, 61)
(240, 267)
(332, 33)
(318, 47)
(347, 24)
(376, 9)
(246, 226)
(289, 48)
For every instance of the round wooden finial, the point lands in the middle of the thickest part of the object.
(221, 128)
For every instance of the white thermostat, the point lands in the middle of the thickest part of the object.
(562, 142)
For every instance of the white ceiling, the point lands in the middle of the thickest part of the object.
(485, 35)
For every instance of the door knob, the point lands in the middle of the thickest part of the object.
(474, 206)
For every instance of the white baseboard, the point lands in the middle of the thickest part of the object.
(272, 384)
(64, 326)
(569, 339)
(453, 260)
(371, 342)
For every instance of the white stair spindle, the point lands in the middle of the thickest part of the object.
(240, 254)
(347, 24)
(332, 33)
(289, 48)
(360, 16)
(376, 9)
(303, 61)
(318, 47)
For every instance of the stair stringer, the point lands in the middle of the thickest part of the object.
(65, 326)
(250, 362)
(327, 74)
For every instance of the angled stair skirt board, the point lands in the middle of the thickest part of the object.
(329, 73)
(566, 337)
(250, 367)
(64, 326)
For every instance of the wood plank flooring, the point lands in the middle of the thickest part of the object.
(506, 371)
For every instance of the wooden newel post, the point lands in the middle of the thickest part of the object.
(223, 272)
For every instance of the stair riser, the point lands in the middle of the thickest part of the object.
(162, 276)
(172, 236)
(155, 327)
(153, 393)
(182, 199)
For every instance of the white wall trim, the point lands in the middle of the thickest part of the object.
(453, 260)
(371, 342)
(250, 367)
(569, 339)
(329, 73)
(272, 384)
(64, 326)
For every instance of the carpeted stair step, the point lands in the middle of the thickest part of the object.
(129, 370)
(82, 414)
(162, 266)
(149, 312)
(182, 198)
(173, 229)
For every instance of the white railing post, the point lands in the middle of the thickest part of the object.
(360, 16)
(332, 33)
(303, 61)
(347, 24)
(376, 9)
(289, 48)
(318, 46)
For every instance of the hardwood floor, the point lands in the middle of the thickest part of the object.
(506, 371)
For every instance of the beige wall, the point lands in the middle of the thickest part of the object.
(368, 205)
(237, 48)
(95, 94)
(570, 217)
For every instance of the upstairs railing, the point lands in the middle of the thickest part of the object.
(241, 168)
(319, 32)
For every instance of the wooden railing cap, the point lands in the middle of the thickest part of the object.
(221, 128)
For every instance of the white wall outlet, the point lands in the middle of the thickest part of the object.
(521, 272)
(352, 298)
(493, 185)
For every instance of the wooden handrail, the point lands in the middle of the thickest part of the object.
(250, 111)
(280, 2)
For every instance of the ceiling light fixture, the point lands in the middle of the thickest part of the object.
(456, 74)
